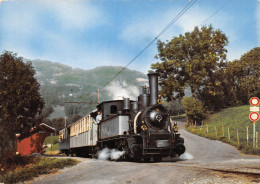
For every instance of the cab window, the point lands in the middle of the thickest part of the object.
(113, 109)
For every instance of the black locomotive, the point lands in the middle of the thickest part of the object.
(142, 129)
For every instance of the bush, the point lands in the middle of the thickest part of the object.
(174, 107)
(194, 109)
(38, 167)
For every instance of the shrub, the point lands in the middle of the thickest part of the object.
(194, 109)
(38, 167)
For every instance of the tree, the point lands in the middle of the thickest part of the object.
(195, 110)
(250, 78)
(20, 101)
(242, 78)
(174, 107)
(191, 60)
(57, 123)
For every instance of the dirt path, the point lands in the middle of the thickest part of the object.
(205, 161)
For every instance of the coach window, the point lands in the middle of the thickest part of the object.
(87, 123)
(81, 126)
(113, 109)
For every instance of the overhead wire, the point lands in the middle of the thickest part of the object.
(222, 7)
(188, 6)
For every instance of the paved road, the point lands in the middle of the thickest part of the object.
(205, 161)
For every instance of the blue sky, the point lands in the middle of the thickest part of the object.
(86, 34)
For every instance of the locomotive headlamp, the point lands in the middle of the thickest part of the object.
(175, 127)
(160, 101)
(144, 127)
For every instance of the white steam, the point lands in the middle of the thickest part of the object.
(142, 80)
(120, 89)
(113, 154)
(186, 156)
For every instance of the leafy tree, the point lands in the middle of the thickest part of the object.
(242, 78)
(76, 118)
(20, 101)
(250, 78)
(57, 123)
(194, 108)
(47, 110)
(174, 107)
(191, 60)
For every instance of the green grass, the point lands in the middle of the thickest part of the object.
(236, 119)
(55, 147)
(34, 168)
(54, 150)
(55, 140)
(179, 117)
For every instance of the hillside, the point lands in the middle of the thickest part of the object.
(61, 83)
(230, 125)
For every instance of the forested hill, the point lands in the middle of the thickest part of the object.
(61, 83)
(50, 73)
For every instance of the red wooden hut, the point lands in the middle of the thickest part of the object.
(34, 141)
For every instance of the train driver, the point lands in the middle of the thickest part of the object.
(99, 117)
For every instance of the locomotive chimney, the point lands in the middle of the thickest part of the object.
(153, 84)
(126, 104)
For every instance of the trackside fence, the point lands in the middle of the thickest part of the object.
(238, 136)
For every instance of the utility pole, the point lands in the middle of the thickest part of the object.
(98, 95)
(253, 134)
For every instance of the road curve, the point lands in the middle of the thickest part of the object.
(205, 161)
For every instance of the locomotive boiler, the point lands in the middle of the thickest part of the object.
(141, 129)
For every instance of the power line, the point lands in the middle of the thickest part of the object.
(222, 7)
(188, 6)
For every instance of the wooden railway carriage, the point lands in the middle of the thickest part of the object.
(80, 137)
(142, 129)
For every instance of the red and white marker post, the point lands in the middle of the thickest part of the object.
(254, 101)
(254, 115)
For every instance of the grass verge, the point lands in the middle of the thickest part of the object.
(54, 149)
(55, 140)
(231, 126)
(28, 167)
(179, 117)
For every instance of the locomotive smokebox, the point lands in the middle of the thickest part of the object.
(153, 84)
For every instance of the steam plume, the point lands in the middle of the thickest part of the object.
(113, 154)
(186, 156)
(120, 89)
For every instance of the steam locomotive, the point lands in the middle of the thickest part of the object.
(141, 129)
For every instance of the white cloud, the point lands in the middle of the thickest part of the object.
(77, 15)
(144, 29)
(26, 28)
(193, 17)
(147, 28)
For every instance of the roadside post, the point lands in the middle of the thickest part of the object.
(254, 116)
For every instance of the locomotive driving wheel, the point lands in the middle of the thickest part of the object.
(123, 146)
(157, 158)
(95, 152)
(147, 159)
